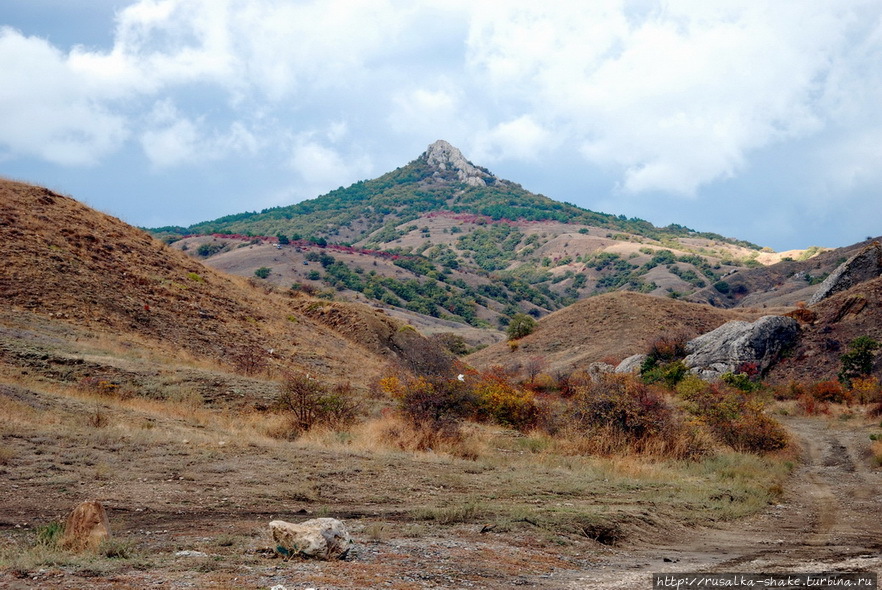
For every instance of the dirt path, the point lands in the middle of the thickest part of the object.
(830, 520)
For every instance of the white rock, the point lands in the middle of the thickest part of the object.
(320, 538)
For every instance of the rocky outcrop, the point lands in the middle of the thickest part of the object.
(737, 343)
(320, 538)
(863, 266)
(631, 364)
(444, 156)
(86, 527)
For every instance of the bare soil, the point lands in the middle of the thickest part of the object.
(829, 520)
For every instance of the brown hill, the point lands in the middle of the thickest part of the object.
(831, 325)
(67, 262)
(607, 328)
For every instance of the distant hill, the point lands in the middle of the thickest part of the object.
(74, 265)
(447, 239)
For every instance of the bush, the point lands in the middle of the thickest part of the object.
(831, 392)
(434, 402)
(262, 272)
(734, 417)
(623, 404)
(498, 399)
(520, 325)
(669, 373)
(309, 403)
(858, 361)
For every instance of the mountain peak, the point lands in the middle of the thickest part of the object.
(446, 157)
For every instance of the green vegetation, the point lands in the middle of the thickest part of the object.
(382, 204)
(520, 325)
(262, 272)
(858, 361)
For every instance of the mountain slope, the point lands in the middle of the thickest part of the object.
(441, 179)
(447, 239)
(606, 328)
(75, 265)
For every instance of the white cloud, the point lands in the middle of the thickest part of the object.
(676, 98)
(172, 139)
(45, 112)
(521, 138)
(323, 168)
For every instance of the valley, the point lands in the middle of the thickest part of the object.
(202, 385)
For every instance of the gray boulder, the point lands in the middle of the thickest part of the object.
(319, 538)
(631, 364)
(735, 343)
(863, 266)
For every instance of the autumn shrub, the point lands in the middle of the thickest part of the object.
(623, 414)
(735, 418)
(866, 390)
(498, 399)
(433, 402)
(830, 391)
(667, 348)
(810, 406)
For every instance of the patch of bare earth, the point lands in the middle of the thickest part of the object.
(829, 520)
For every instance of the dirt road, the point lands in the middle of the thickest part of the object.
(830, 520)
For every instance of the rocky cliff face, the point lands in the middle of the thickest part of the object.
(863, 266)
(445, 157)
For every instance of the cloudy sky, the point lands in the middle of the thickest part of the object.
(756, 120)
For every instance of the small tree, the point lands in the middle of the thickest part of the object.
(520, 325)
(858, 361)
(262, 272)
(283, 239)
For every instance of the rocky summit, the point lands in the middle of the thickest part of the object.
(444, 157)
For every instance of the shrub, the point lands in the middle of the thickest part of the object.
(858, 361)
(520, 325)
(740, 381)
(865, 390)
(262, 272)
(436, 403)
(733, 416)
(208, 249)
(669, 373)
(623, 404)
(309, 403)
(498, 399)
(831, 392)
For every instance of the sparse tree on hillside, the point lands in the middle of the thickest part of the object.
(520, 325)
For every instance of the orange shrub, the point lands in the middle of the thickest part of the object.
(831, 391)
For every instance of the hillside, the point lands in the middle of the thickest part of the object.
(833, 323)
(70, 264)
(447, 239)
(606, 328)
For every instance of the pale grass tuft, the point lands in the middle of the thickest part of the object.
(876, 449)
